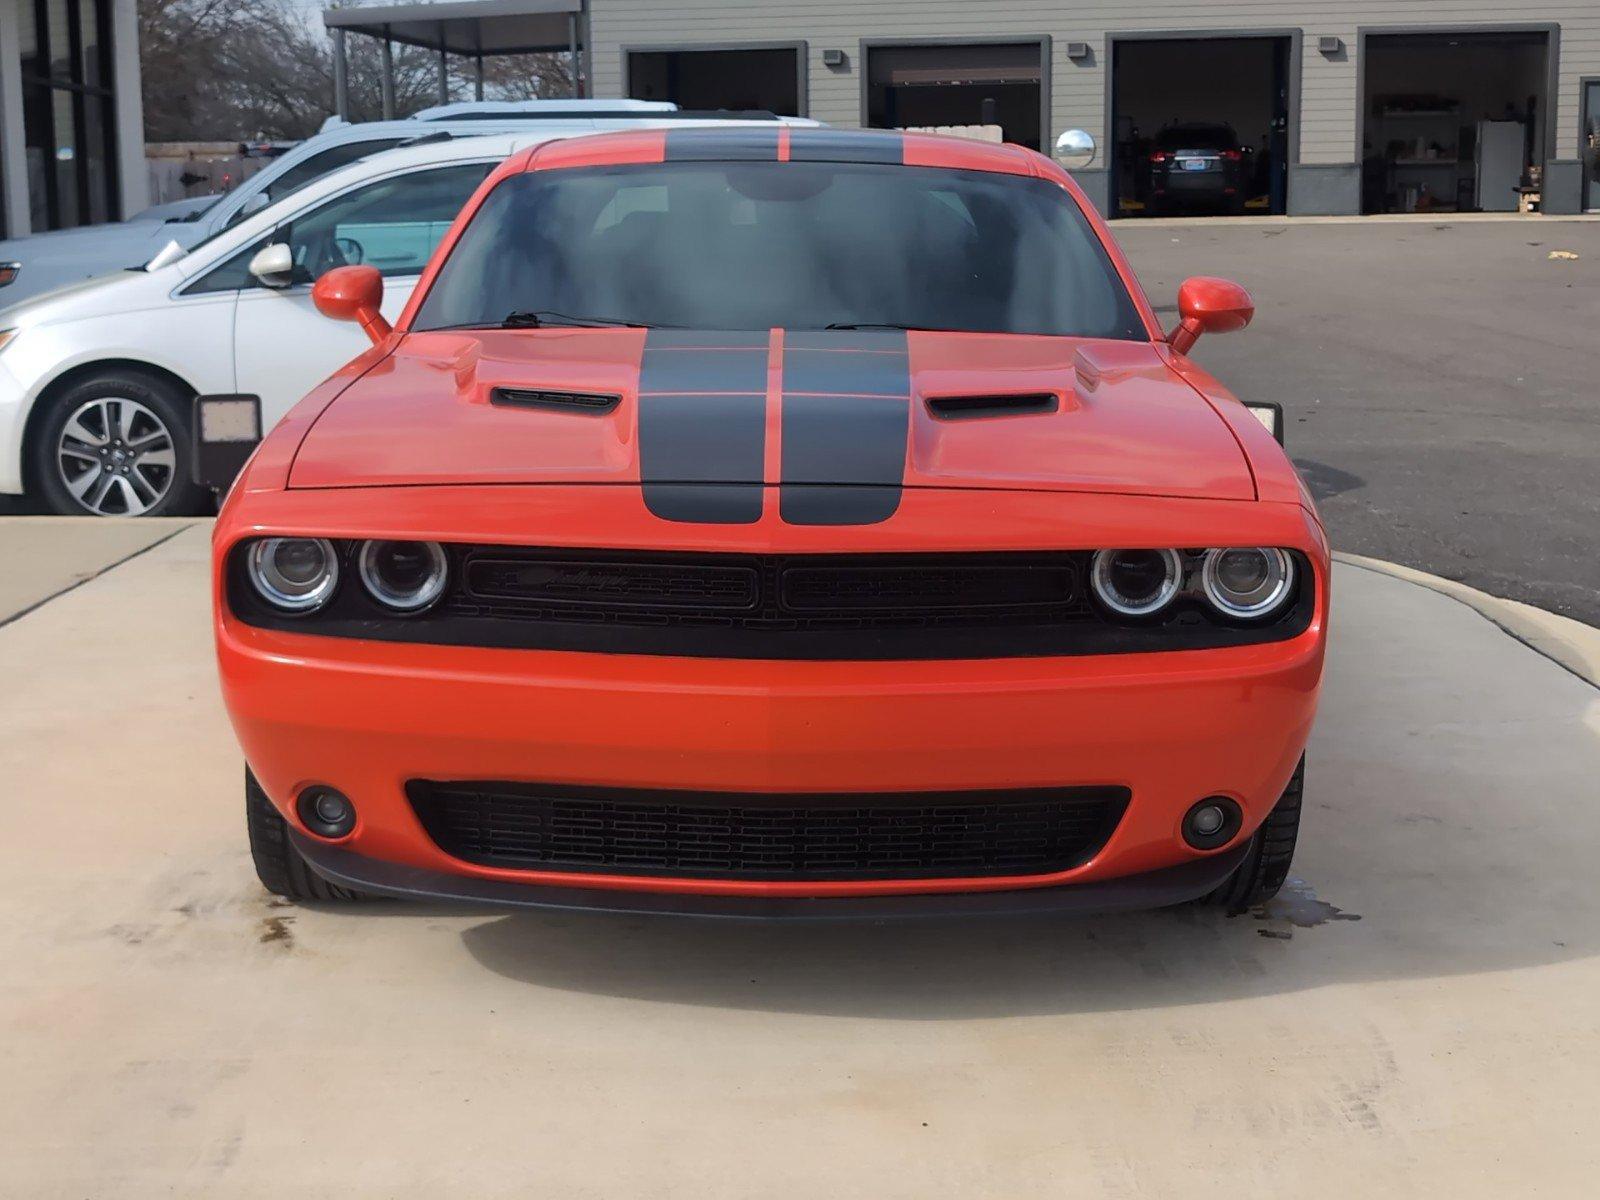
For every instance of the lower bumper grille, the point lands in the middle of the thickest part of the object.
(835, 836)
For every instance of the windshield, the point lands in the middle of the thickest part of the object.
(735, 245)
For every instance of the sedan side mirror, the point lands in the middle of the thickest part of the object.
(274, 265)
(353, 294)
(1207, 305)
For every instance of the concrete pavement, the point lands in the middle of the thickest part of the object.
(1414, 1016)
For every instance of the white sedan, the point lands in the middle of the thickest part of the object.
(97, 380)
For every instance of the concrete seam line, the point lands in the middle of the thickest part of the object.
(78, 583)
(1571, 645)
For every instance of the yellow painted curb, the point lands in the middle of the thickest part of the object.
(1572, 644)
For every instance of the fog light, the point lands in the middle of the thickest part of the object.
(326, 812)
(1212, 822)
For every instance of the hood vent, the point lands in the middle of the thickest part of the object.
(972, 408)
(593, 403)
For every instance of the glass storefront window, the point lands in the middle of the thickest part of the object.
(67, 112)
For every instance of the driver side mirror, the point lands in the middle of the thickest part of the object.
(1208, 305)
(353, 294)
(274, 265)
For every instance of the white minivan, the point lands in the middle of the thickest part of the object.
(97, 380)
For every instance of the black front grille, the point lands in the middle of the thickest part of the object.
(772, 592)
(712, 835)
(839, 607)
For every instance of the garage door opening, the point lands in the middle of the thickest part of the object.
(764, 79)
(1199, 126)
(986, 90)
(1453, 122)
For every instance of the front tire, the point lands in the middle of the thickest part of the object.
(1266, 864)
(116, 444)
(279, 865)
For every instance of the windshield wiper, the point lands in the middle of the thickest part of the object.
(882, 325)
(536, 318)
(544, 318)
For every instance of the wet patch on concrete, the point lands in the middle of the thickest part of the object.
(1297, 906)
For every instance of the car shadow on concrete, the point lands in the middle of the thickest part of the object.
(1449, 830)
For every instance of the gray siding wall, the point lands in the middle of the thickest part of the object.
(1328, 86)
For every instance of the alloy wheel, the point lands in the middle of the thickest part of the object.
(116, 457)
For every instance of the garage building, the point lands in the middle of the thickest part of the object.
(1360, 106)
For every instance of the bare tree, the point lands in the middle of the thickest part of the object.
(235, 70)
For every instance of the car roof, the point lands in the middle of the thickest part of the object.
(746, 143)
(475, 118)
(473, 109)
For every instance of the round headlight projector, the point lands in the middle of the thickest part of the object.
(296, 575)
(404, 576)
(1136, 583)
(1247, 583)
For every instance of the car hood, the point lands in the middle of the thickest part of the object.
(67, 256)
(918, 409)
(110, 294)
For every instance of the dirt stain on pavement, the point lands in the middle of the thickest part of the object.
(1296, 906)
(276, 929)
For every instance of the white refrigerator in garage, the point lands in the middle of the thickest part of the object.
(1500, 150)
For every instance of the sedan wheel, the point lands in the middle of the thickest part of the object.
(116, 457)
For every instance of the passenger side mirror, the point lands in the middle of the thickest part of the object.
(274, 265)
(1074, 149)
(1207, 305)
(353, 294)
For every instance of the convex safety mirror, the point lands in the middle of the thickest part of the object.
(1074, 149)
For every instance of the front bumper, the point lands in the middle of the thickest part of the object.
(365, 717)
(1135, 893)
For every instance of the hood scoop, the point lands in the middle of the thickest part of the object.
(591, 403)
(974, 408)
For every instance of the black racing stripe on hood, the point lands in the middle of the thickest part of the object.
(703, 425)
(847, 146)
(846, 419)
(759, 144)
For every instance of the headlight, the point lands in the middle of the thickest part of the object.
(404, 576)
(5, 336)
(1248, 583)
(297, 575)
(1136, 583)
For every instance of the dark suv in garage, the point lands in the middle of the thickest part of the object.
(1198, 166)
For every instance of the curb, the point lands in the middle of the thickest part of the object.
(1569, 644)
(1261, 220)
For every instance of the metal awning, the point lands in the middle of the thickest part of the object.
(469, 27)
(476, 29)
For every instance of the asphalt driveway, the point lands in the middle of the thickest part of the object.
(1440, 379)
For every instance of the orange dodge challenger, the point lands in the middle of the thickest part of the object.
(773, 523)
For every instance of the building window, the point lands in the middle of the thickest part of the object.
(68, 112)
